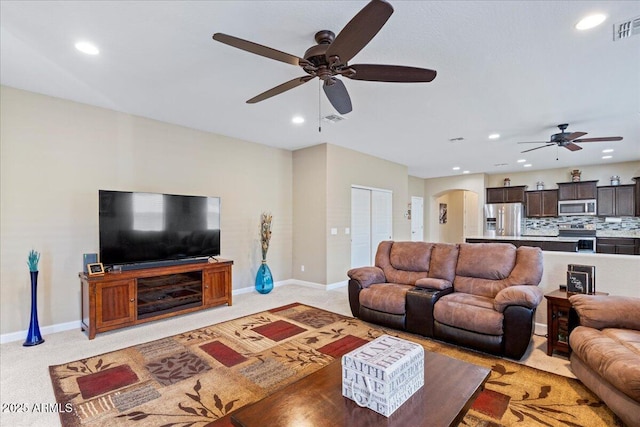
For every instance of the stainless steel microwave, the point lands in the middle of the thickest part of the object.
(577, 207)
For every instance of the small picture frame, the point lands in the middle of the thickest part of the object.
(95, 269)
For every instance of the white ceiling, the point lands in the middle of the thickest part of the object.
(518, 68)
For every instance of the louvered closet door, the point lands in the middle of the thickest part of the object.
(371, 223)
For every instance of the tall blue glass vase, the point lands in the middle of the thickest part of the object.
(264, 279)
(33, 336)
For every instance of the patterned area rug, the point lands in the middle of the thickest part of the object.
(198, 378)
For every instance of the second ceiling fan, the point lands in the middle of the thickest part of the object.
(568, 140)
(329, 58)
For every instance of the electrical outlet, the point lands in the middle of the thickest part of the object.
(302, 268)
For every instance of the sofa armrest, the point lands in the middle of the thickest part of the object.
(524, 295)
(433, 283)
(367, 276)
(601, 311)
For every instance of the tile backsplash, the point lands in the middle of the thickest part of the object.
(627, 227)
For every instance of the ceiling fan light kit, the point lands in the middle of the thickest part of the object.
(329, 58)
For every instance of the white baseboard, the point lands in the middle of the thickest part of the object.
(44, 330)
(60, 327)
(540, 329)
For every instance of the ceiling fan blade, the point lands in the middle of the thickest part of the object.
(535, 142)
(259, 49)
(573, 147)
(391, 73)
(279, 89)
(338, 96)
(575, 135)
(606, 138)
(360, 30)
(537, 148)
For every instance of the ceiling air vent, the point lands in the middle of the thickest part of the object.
(333, 118)
(626, 29)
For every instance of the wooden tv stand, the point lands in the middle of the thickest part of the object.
(118, 300)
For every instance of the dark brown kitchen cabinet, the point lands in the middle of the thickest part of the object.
(618, 200)
(577, 190)
(617, 245)
(637, 193)
(506, 194)
(541, 203)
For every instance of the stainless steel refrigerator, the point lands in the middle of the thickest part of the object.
(503, 219)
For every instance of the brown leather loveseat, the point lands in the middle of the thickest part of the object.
(606, 351)
(478, 295)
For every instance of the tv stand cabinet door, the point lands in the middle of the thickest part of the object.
(115, 304)
(216, 286)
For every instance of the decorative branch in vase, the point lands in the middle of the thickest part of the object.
(264, 279)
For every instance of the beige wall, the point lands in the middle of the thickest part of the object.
(416, 187)
(452, 231)
(323, 176)
(56, 154)
(346, 168)
(310, 214)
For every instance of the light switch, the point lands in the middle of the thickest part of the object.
(334, 231)
(347, 230)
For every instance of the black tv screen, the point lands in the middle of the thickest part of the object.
(137, 228)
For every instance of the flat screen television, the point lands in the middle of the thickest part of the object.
(142, 229)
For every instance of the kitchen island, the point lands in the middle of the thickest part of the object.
(546, 243)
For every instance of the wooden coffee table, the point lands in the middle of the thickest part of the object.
(450, 387)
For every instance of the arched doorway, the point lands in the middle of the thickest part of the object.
(457, 215)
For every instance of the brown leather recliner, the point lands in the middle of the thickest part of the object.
(606, 351)
(482, 296)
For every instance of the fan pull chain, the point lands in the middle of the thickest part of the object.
(319, 106)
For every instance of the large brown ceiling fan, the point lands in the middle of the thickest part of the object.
(568, 140)
(329, 58)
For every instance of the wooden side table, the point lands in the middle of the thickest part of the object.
(558, 308)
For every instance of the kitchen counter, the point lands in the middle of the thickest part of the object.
(546, 243)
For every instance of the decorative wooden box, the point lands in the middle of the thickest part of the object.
(383, 374)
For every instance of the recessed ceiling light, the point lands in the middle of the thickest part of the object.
(608, 150)
(528, 165)
(494, 136)
(456, 168)
(465, 171)
(297, 120)
(607, 157)
(522, 160)
(591, 21)
(88, 48)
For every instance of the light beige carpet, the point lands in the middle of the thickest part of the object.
(198, 377)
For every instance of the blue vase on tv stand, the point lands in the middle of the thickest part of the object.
(264, 279)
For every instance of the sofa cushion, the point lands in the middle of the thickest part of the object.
(444, 257)
(483, 268)
(612, 353)
(602, 311)
(410, 256)
(395, 275)
(493, 261)
(471, 312)
(385, 297)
